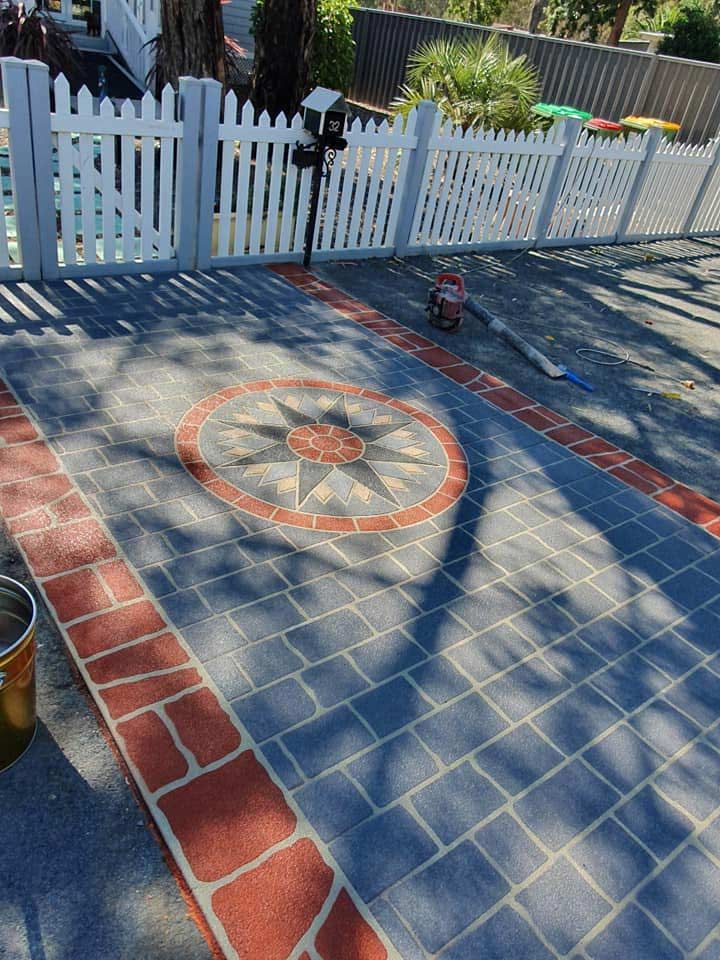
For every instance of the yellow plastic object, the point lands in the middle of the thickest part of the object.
(640, 124)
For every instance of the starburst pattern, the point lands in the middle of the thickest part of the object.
(304, 449)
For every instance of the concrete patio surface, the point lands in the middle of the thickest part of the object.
(397, 675)
(660, 301)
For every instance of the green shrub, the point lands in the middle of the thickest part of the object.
(333, 53)
(473, 11)
(695, 33)
(475, 83)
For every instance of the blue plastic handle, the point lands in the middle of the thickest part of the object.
(574, 378)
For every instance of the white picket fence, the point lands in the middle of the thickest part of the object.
(195, 181)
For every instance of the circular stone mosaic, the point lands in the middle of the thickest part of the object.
(319, 454)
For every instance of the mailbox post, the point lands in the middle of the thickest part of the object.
(325, 117)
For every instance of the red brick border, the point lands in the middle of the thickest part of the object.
(635, 473)
(243, 852)
(187, 445)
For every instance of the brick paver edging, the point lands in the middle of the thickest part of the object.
(636, 473)
(251, 860)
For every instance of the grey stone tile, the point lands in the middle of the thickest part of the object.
(229, 677)
(487, 606)
(518, 759)
(205, 533)
(685, 897)
(544, 623)
(692, 781)
(710, 838)
(630, 681)
(388, 609)
(334, 680)
(623, 758)
(518, 552)
(211, 638)
(701, 629)
(367, 578)
(274, 709)
(439, 679)
(437, 631)
(184, 607)
(525, 688)
(664, 727)
(609, 638)
(460, 728)
(474, 571)
(240, 588)
(660, 826)
(573, 659)
(266, 617)
(207, 564)
(282, 765)
(268, 660)
(617, 582)
(613, 859)
(396, 930)
(490, 940)
(577, 718)
(431, 590)
(671, 654)
(393, 768)
(332, 805)
(386, 655)
(510, 847)
(321, 596)
(490, 652)
(391, 706)
(441, 901)
(698, 695)
(329, 634)
(304, 565)
(583, 602)
(632, 930)
(327, 740)
(563, 905)
(538, 581)
(456, 802)
(690, 589)
(565, 804)
(380, 851)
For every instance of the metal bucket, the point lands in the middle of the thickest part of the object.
(18, 715)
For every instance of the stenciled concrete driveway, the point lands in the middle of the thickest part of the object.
(398, 675)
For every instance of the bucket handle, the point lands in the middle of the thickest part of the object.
(2, 677)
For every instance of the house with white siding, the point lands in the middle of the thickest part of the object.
(126, 26)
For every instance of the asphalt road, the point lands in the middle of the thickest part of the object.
(81, 877)
(659, 301)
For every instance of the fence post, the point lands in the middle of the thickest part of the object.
(187, 203)
(652, 142)
(702, 190)
(208, 170)
(39, 90)
(17, 100)
(424, 126)
(568, 134)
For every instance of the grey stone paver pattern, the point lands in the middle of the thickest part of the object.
(503, 721)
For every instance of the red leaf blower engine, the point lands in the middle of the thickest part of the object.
(446, 302)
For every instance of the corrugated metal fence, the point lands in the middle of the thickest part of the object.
(607, 81)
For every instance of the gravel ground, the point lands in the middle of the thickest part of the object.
(660, 301)
(81, 877)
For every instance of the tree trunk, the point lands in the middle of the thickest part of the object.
(536, 14)
(621, 15)
(283, 45)
(193, 41)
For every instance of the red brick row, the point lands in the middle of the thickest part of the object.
(636, 473)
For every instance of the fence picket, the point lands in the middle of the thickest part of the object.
(277, 165)
(87, 180)
(127, 181)
(243, 180)
(258, 188)
(107, 167)
(65, 175)
(147, 180)
(167, 175)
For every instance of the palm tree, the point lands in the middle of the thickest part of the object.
(475, 83)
